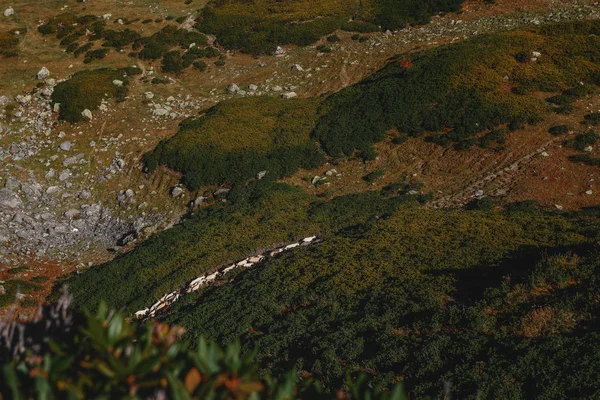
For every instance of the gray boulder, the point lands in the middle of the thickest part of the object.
(43, 73)
(9, 199)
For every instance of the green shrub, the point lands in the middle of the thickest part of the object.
(592, 118)
(428, 92)
(111, 357)
(86, 89)
(172, 62)
(261, 134)
(360, 26)
(583, 140)
(558, 130)
(333, 38)
(585, 159)
(92, 55)
(200, 66)
(373, 176)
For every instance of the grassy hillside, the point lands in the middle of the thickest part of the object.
(237, 139)
(462, 93)
(472, 93)
(494, 304)
(255, 217)
(259, 26)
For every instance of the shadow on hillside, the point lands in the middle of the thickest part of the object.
(471, 283)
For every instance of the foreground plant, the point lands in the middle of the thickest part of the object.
(110, 357)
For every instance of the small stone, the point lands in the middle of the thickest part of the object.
(589, 192)
(289, 95)
(117, 83)
(558, 206)
(72, 213)
(261, 175)
(43, 73)
(176, 191)
(9, 12)
(87, 114)
(64, 175)
(233, 88)
(52, 189)
(66, 146)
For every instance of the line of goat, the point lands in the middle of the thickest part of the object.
(170, 298)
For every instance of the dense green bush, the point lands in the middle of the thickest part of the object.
(429, 91)
(86, 89)
(261, 35)
(436, 297)
(237, 139)
(360, 26)
(172, 62)
(558, 130)
(585, 159)
(583, 140)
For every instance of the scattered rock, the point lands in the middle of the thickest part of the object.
(87, 114)
(117, 83)
(261, 175)
(9, 12)
(65, 146)
(72, 213)
(279, 51)
(221, 191)
(289, 95)
(52, 190)
(233, 88)
(43, 73)
(9, 199)
(23, 100)
(176, 191)
(64, 175)
(558, 206)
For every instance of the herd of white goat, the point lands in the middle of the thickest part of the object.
(170, 298)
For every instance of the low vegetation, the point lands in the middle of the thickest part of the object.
(433, 298)
(63, 355)
(87, 89)
(259, 27)
(255, 217)
(237, 139)
(167, 43)
(433, 92)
